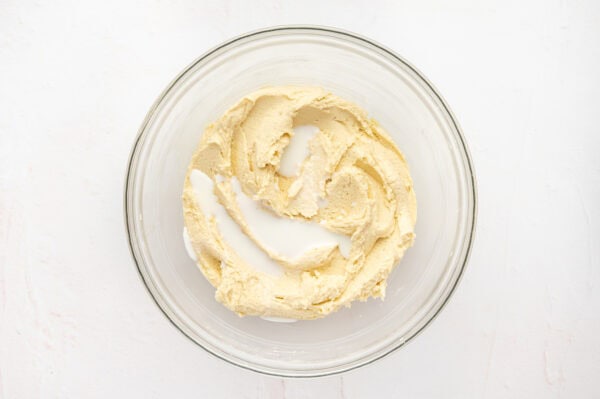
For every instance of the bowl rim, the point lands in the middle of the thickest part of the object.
(468, 246)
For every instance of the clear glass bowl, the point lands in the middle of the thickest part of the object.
(406, 105)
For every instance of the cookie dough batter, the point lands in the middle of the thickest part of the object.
(296, 204)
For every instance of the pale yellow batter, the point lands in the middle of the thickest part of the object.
(354, 182)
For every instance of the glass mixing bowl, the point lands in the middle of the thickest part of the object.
(391, 91)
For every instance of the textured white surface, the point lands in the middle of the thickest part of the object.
(76, 79)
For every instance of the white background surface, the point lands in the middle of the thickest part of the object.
(76, 79)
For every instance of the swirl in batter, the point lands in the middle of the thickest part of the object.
(296, 204)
